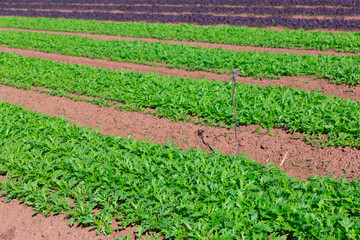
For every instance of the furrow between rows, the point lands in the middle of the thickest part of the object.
(290, 23)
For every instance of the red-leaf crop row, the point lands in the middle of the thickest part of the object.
(195, 19)
(208, 2)
(285, 11)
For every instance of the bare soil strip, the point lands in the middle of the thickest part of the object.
(306, 83)
(197, 44)
(204, 13)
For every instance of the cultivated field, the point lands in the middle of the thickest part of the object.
(117, 119)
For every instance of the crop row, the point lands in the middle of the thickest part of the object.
(344, 42)
(285, 11)
(339, 69)
(351, 3)
(177, 98)
(180, 194)
(202, 19)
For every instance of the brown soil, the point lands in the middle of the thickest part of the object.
(302, 82)
(197, 44)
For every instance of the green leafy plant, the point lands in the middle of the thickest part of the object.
(59, 168)
(342, 42)
(338, 69)
(179, 99)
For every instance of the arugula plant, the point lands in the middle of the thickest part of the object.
(179, 98)
(342, 42)
(338, 69)
(60, 168)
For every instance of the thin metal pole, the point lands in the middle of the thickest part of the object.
(233, 99)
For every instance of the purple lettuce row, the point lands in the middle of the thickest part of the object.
(285, 11)
(207, 2)
(195, 19)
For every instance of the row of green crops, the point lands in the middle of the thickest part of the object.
(338, 69)
(342, 42)
(177, 98)
(181, 194)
